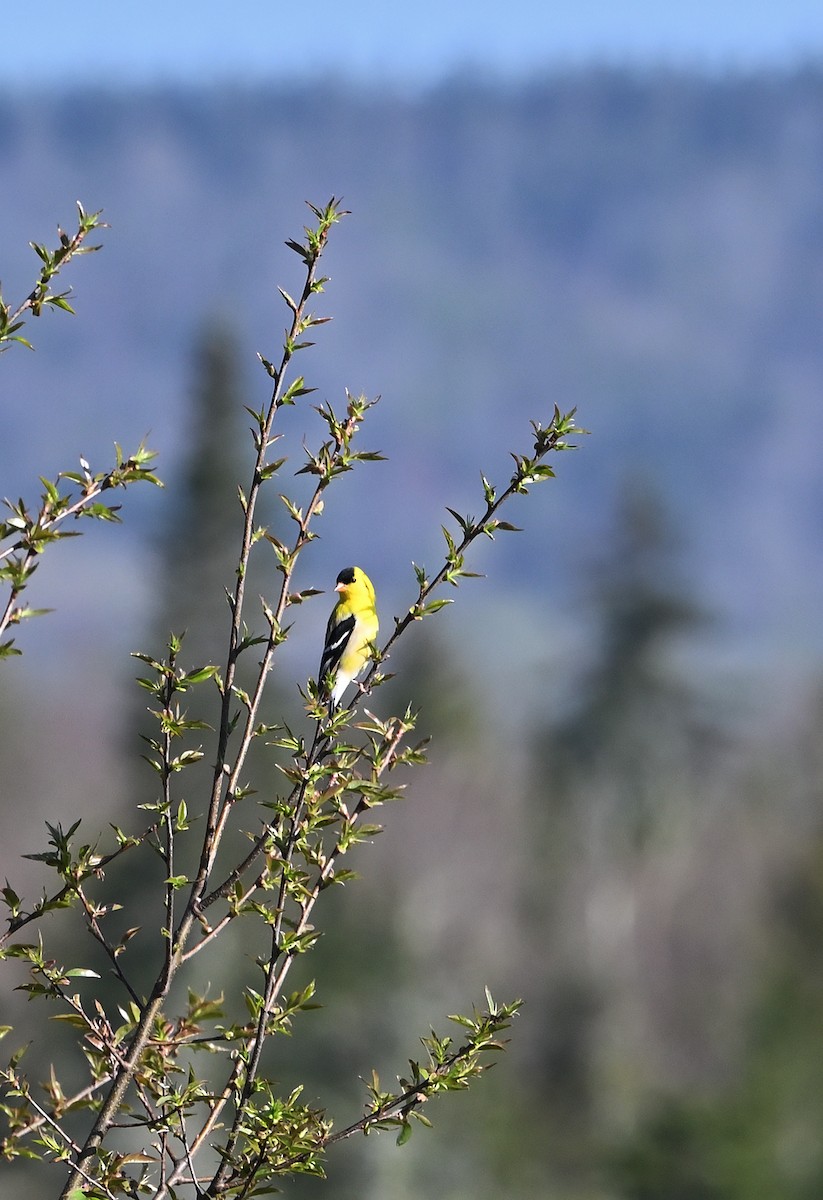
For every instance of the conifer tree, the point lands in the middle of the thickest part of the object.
(634, 713)
(197, 550)
(608, 778)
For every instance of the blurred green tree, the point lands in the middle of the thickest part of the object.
(760, 1134)
(636, 719)
(197, 551)
(611, 778)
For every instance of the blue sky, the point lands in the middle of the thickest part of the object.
(52, 41)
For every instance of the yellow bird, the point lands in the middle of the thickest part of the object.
(350, 634)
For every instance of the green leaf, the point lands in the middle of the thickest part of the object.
(61, 302)
(270, 368)
(21, 614)
(434, 606)
(199, 675)
(465, 523)
(271, 468)
(299, 597)
(291, 303)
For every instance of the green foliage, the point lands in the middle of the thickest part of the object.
(447, 1069)
(26, 534)
(176, 1099)
(41, 296)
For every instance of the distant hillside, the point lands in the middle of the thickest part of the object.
(649, 248)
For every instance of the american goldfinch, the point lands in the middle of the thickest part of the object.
(350, 633)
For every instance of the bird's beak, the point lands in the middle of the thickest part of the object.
(341, 587)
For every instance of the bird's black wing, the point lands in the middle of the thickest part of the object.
(337, 638)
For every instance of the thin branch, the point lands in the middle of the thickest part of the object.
(66, 1106)
(93, 926)
(58, 898)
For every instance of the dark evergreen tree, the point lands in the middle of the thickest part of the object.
(636, 719)
(198, 554)
(606, 778)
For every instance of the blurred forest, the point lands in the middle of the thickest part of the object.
(622, 817)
